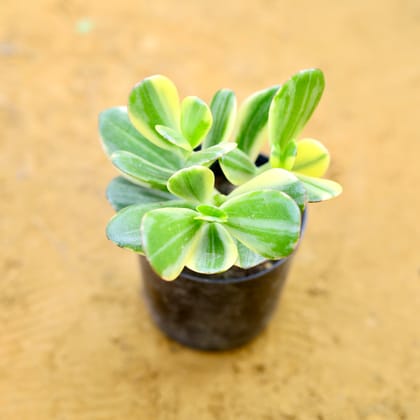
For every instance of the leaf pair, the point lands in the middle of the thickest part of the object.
(265, 222)
(290, 110)
(150, 156)
(138, 159)
(256, 221)
(285, 110)
(311, 162)
(155, 111)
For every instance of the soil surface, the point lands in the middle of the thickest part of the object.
(76, 341)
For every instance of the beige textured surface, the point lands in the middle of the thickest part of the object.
(76, 341)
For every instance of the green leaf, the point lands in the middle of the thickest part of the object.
(252, 121)
(275, 179)
(196, 120)
(117, 133)
(124, 227)
(211, 213)
(283, 158)
(219, 198)
(154, 101)
(246, 257)
(319, 189)
(195, 184)
(173, 136)
(123, 193)
(215, 250)
(169, 238)
(139, 170)
(292, 107)
(267, 222)
(237, 167)
(208, 156)
(312, 158)
(223, 109)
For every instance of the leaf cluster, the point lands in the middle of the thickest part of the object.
(168, 207)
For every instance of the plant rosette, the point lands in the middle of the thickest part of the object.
(168, 207)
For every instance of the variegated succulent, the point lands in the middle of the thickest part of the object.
(168, 207)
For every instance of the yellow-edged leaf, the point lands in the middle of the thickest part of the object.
(312, 158)
(319, 189)
(154, 101)
(168, 236)
(267, 222)
(275, 179)
(196, 120)
(195, 184)
(215, 250)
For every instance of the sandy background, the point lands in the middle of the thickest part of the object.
(75, 339)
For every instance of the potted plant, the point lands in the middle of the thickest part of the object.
(214, 220)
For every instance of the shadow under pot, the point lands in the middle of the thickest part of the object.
(220, 311)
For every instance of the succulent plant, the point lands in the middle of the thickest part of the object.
(168, 207)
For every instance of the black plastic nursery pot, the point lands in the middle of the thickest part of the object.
(220, 311)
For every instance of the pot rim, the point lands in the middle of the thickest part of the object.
(202, 278)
